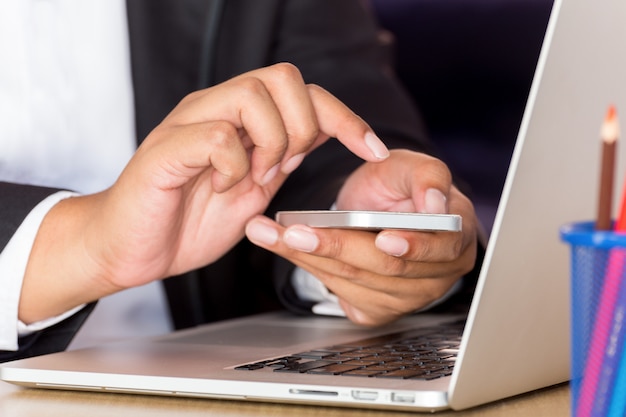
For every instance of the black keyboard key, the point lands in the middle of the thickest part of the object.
(314, 354)
(303, 367)
(401, 374)
(334, 369)
(250, 367)
(360, 362)
(382, 368)
(362, 372)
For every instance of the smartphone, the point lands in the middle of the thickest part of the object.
(371, 220)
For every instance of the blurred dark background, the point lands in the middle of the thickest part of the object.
(469, 65)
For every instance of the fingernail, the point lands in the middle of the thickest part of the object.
(376, 145)
(261, 233)
(270, 175)
(301, 238)
(392, 245)
(293, 163)
(434, 201)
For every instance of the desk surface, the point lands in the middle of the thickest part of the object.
(21, 402)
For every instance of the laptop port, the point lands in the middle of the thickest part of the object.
(403, 397)
(364, 395)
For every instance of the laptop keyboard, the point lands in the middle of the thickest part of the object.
(425, 354)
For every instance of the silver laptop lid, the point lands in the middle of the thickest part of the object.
(522, 299)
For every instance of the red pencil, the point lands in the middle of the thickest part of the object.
(620, 223)
(609, 134)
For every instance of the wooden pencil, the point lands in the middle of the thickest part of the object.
(609, 134)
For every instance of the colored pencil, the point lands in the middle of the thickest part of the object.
(617, 393)
(608, 134)
(610, 360)
(616, 389)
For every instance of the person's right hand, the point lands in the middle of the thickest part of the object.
(184, 198)
(379, 277)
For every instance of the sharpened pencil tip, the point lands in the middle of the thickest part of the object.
(610, 113)
(610, 128)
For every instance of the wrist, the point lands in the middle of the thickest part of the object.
(60, 273)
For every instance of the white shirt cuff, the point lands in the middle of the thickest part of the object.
(13, 261)
(309, 288)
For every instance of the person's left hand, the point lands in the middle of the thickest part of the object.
(379, 277)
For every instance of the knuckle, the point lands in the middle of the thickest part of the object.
(421, 251)
(450, 250)
(192, 96)
(306, 130)
(437, 168)
(286, 71)
(456, 249)
(438, 249)
(315, 89)
(347, 271)
(333, 246)
(394, 266)
(251, 87)
(304, 133)
(221, 133)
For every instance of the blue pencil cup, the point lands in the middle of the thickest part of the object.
(598, 311)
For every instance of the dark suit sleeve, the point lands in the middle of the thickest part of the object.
(53, 339)
(16, 201)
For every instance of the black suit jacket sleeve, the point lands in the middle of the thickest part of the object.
(16, 202)
(52, 339)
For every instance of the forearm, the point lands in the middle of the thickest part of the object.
(61, 274)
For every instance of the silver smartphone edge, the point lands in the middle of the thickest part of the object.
(371, 220)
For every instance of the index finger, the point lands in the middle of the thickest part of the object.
(314, 109)
(337, 120)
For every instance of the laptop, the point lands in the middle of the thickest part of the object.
(515, 337)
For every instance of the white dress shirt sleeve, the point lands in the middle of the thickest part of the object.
(13, 261)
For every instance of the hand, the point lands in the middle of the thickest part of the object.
(182, 201)
(381, 277)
